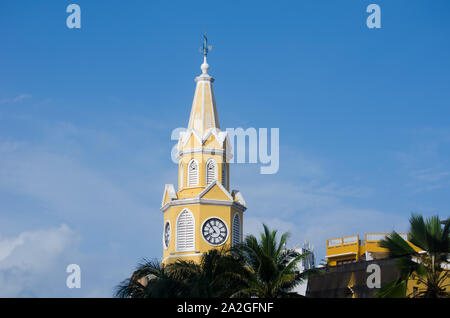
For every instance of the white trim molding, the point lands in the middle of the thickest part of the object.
(181, 255)
(208, 151)
(221, 137)
(198, 200)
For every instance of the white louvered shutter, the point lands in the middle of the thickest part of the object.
(185, 231)
(210, 171)
(193, 173)
(236, 237)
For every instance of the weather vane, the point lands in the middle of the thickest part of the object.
(205, 47)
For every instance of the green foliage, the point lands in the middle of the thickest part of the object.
(255, 268)
(394, 289)
(271, 268)
(150, 280)
(215, 275)
(212, 277)
(426, 268)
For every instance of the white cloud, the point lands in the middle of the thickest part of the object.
(116, 208)
(21, 98)
(16, 99)
(116, 214)
(33, 263)
(425, 163)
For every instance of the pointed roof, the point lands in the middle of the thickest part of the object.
(215, 190)
(169, 194)
(204, 112)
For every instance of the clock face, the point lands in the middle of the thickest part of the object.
(214, 231)
(166, 236)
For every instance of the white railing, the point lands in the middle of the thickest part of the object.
(382, 236)
(404, 236)
(350, 239)
(375, 237)
(335, 242)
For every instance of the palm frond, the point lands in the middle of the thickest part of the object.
(394, 289)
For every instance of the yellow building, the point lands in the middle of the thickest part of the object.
(203, 214)
(349, 249)
(348, 273)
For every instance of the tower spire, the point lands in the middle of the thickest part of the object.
(204, 113)
(204, 214)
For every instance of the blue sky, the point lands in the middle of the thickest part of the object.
(86, 117)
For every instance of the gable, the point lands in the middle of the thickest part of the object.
(192, 141)
(215, 191)
(212, 142)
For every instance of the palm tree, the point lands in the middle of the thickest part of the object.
(270, 268)
(262, 269)
(151, 279)
(217, 275)
(428, 266)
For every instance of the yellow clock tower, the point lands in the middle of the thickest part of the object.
(203, 214)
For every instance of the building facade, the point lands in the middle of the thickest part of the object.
(306, 263)
(349, 260)
(349, 280)
(350, 249)
(204, 213)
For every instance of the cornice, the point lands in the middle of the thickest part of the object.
(198, 200)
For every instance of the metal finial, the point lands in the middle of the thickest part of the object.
(205, 47)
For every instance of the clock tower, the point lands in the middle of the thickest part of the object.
(203, 214)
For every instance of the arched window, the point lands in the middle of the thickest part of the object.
(193, 173)
(224, 174)
(185, 232)
(211, 171)
(181, 176)
(236, 237)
